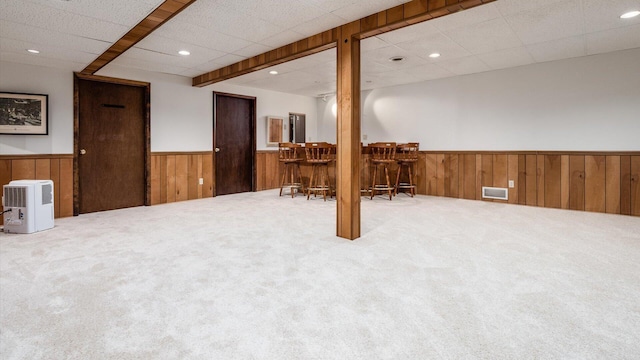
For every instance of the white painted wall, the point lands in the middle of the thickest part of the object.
(58, 84)
(181, 115)
(589, 103)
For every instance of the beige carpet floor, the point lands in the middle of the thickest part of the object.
(255, 276)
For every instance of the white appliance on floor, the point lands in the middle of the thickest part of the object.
(28, 206)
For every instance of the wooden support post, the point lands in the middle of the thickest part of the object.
(348, 132)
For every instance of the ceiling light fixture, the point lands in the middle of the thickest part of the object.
(630, 14)
(434, 55)
(273, 72)
(396, 58)
(184, 52)
(33, 51)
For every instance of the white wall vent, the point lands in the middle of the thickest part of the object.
(495, 193)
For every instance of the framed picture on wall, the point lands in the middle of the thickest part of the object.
(24, 114)
(274, 130)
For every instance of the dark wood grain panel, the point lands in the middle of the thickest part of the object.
(501, 171)
(163, 179)
(512, 174)
(565, 179)
(594, 183)
(540, 180)
(625, 185)
(155, 179)
(486, 173)
(612, 184)
(431, 173)
(207, 174)
(470, 176)
(66, 187)
(440, 174)
(531, 174)
(635, 185)
(182, 177)
(552, 181)
(54, 167)
(451, 175)
(23, 169)
(5, 177)
(479, 177)
(421, 174)
(576, 182)
(199, 175)
(43, 169)
(171, 178)
(192, 177)
(522, 179)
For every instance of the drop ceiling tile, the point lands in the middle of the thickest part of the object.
(49, 51)
(191, 73)
(436, 43)
(124, 12)
(281, 39)
(284, 13)
(430, 72)
(326, 56)
(603, 15)
(510, 7)
(383, 55)
(485, 37)
(558, 49)
(205, 37)
(227, 59)
(613, 40)
(466, 18)
(319, 24)
(129, 62)
(370, 66)
(410, 33)
(463, 66)
(35, 35)
(326, 71)
(507, 58)
(372, 43)
(363, 8)
(49, 18)
(171, 47)
(551, 22)
(251, 50)
(41, 61)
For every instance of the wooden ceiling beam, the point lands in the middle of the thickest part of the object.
(159, 16)
(400, 16)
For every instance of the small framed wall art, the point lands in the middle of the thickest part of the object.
(24, 114)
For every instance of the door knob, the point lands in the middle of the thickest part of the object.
(83, 151)
(217, 149)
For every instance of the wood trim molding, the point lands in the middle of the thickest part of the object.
(36, 156)
(162, 14)
(530, 152)
(407, 14)
(111, 80)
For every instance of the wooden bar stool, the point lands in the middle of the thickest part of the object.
(406, 157)
(289, 154)
(319, 155)
(382, 155)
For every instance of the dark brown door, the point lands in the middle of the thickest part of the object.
(234, 143)
(111, 141)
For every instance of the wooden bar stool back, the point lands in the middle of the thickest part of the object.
(382, 155)
(290, 155)
(407, 157)
(319, 155)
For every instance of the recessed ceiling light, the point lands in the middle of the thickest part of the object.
(396, 58)
(184, 52)
(434, 55)
(33, 51)
(273, 72)
(630, 14)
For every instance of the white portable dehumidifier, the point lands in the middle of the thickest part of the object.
(28, 206)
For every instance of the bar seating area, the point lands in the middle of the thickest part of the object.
(387, 168)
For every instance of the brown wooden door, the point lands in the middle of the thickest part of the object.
(234, 143)
(111, 141)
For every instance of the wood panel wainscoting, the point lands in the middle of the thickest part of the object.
(175, 176)
(56, 167)
(607, 182)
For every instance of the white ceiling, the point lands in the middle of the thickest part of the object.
(502, 34)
